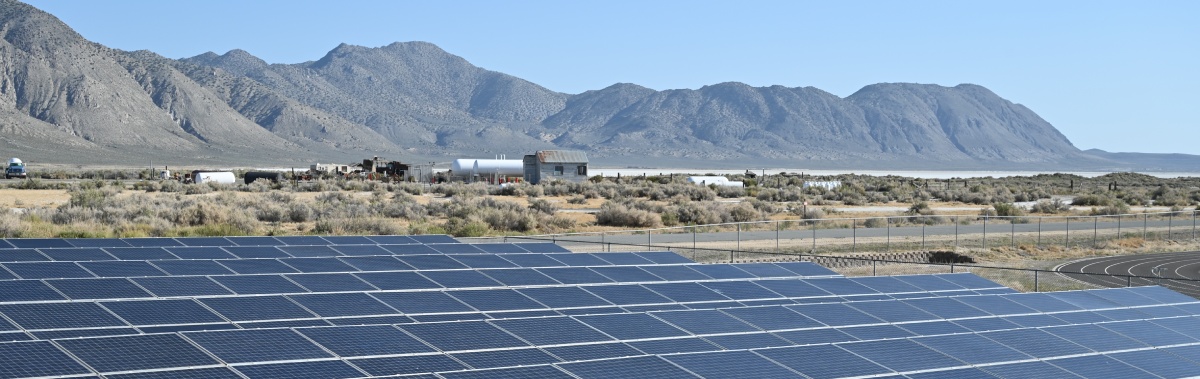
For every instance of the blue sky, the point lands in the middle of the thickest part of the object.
(1119, 76)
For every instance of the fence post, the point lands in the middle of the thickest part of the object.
(1128, 280)
(814, 230)
(1035, 281)
(777, 237)
(1170, 220)
(955, 236)
(922, 236)
(693, 238)
(985, 220)
(1119, 226)
(873, 267)
(1145, 228)
(1012, 233)
(853, 236)
(739, 236)
(888, 245)
(1067, 241)
(649, 238)
(1194, 213)
(1039, 242)
(1095, 230)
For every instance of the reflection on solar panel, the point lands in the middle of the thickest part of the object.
(385, 305)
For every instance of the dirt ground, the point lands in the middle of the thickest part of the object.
(19, 198)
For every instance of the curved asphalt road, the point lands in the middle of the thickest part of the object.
(1169, 266)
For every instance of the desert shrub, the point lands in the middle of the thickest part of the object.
(577, 200)
(1007, 210)
(920, 208)
(741, 213)
(812, 213)
(614, 214)
(370, 226)
(557, 223)
(1092, 200)
(695, 213)
(1118, 208)
(875, 222)
(11, 225)
(543, 206)
(1050, 206)
(461, 227)
(730, 192)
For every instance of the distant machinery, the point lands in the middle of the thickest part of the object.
(565, 165)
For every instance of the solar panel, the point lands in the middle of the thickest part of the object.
(532, 260)
(1161, 294)
(59, 315)
(302, 240)
(807, 269)
(181, 286)
(834, 314)
(257, 308)
(986, 324)
(397, 280)
(929, 282)
(342, 304)
(392, 240)
(1034, 321)
(204, 241)
(162, 312)
(674, 345)
(80, 333)
(496, 300)
(317, 369)
(945, 307)
(1038, 369)
(433, 238)
(5, 275)
(122, 269)
(1036, 343)
(631, 326)
(1099, 366)
(792, 288)
(1042, 302)
(22, 255)
(257, 266)
(876, 332)
(38, 243)
(257, 345)
(27, 290)
(464, 335)
(349, 240)
(574, 275)
(1181, 325)
(503, 358)
(649, 367)
(519, 277)
(686, 292)
(530, 372)
(933, 328)
(310, 251)
(330, 282)
(138, 352)
(423, 302)
(96, 242)
(705, 322)
(994, 304)
(483, 261)
(772, 318)
(822, 361)
(412, 364)
(765, 270)
(361, 250)
(626, 274)
(564, 297)
(362, 341)
(456, 248)
(258, 284)
(207, 252)
(254, 241)
(664, 257)
(961, 373)
(380, 263)
(199, 373)
(841, 286)
(892, 311)
(577, 259)
(972, 348)
(540, 247)
(282, 324)
(37, 359)
(551, 330)
(730, 364)
(431, 262)
(1148, 333)
(593, 351)
(624, 259)
(1083, 299)
(900, 355)
(247, 252)
(191, 267)
(1124, 296)
(675, 272)
(318, 264)
(180, 328)
(748, 341)
(48, 270)
(1158, 362)
(151, 242)
(627, 294)
(410, 249)
(371, 320)
(460, 279)
(493, 248)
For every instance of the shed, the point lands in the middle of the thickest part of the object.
(563, 165)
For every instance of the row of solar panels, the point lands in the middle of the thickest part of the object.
(876, 337)
(53, 243)
(235, 252)
(84, 318)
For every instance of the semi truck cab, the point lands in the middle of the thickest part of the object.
(16, 169)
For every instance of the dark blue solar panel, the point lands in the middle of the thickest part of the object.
(258, 284)
(433, 238)
(37, 243)
(626, 274)
(382, 263)
(972, 348)
(397, 280)
(283, 324)
(349, 240)
(792, 288)
(1158, 362)
(630, 326)
(5, 275)
(505, 358)
(343, 304)
(675, 272)
(1149, 333)
(717, 365)
(1023, 370)
(519, 277)
(652, 308)
(765, 270)
(564, 297)
(257, 308)
(986, 324)
(392, 240)
(423, 302)
(122, 269)
(674, 345)
(593, 351)
(460, 279)
(256, 252)
(59, 315)
(139, 352)
(191, 267)
(26, 290)
(411, 364)
(410, 249)
(835, 314)
(431, 262)
(162, 312)
(96, 242)
(705, 322)
(1035, 321)
(371, 320)
(361, 250)
(841, 286)
(79, 333)
(1122, 296)
(929, 282)
(1123, 314)
(22, 255)
(933, 328)
(302, 240)
(807, 268)
(1083, 299)
(901, 355)
(48, 270)
(876, 332)
(740, 290)
(330, 282)
(772, 318)
(361, 341)
(533, 260)
(995, 304)
(1163, 311)
(496, 300)
(451, 317)
(551, 330)
(945, 307)
(210, 252)
(1041, 302)
(36, 359)
(465, 335)
(181, 286)
(205, 241)
(496, 248)
(886, 284)
(624, 259)
(110, 288)
(892, 311)
(686, 292)
(257, 266)
(648, 367)
(1182, 325)
(151, 242)
(574, 275)
(664, 257)
(318, 369)
(1081, 317)
(1099, 366)
(961, 373)
(6, 326)
(543, 247)
(969, 280)
(748, 341)
(255, 345)
(576, 259)
(181, 328)
(529, 372)
(1035, 342)
(1162, 295)
(822, 361)
(318, 264)
(310, 251)
(456, 248)
(254, 241)
(628, 294)
(199, 373)
(483, 261)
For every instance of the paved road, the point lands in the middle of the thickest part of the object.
(1184, 265)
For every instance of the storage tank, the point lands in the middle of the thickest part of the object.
(487, 167)
(221, 177)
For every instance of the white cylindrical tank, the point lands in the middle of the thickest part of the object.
(706, 180)
(502, 167)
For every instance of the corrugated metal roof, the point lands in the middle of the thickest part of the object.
(561, 156)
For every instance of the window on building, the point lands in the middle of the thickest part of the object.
(581, 170)
(558, 170)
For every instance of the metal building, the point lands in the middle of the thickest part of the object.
(549, 165)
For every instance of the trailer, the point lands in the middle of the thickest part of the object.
(219, 177)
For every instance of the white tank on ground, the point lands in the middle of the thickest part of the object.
(716, 180)
(487, 167)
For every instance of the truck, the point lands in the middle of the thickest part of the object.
(16, 169)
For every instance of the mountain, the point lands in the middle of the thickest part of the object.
(66, 99)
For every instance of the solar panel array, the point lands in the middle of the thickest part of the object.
(432, 307)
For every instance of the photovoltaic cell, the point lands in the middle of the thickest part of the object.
(361, 341)
(248, 252)
(533, 260)
(108, 288)
(361, 250)
(748, 341)
(674, 345)
(456, 248)
(933, 328)
(349, 240)
(929, 282)
(1161, 294)
(986, 324)
(391, 240)
(528, 372)
(79, 333)
(423, 302)
(972, 348)
(483, 261)
(27, 290)
(772, 318)
(961, 373)
(378, 263)
(199, 373)
(257, 345)
(1148, 333)
(664, 257)
(256, 308)
(994, 304)
(745, 364)
(181, 286)
(945, 307)
(564, 297)
(1084, 299)
(310, 251)
(411, 364)
(59, 315)
(841, 286)
(410, 249)
(623, 259)
(431, 262)
(822, 361)
(37, 358)
(503, 358)
(675, 272)
(579, 259)
(460, 279)
(257, 266)
(302, 240)
(574, 275)
(892, 311)
(397, 280)
(499, 248)
(1034, 321)
(792, 288)
(330, 282)
(318, 264)
(1181, 325)
(254, 241)
(207, 252)
(37, 243)
(48, 270)
(686, 292)
(22, 255)
(593, 351)
(258, 284)
(900, 355)
(433, 238)
(343, 304)
(371, 320)
(283, 324)
(551, 330)
(191, 267)
(519, 277)
(122, 269)
(628, 294)
(705, 322)
(465, 335)
(631, 326)
(807, 269)
(204, 241)
(180, 328)
(151, 242)
(875, 332)
(649, 367)
(542, 247)
(1099, 366)
(317, 369)
(1035, 342)
(834, 314)
(138, 352)
(626, 274)
(1159, 363)
(162, 312)
(496, 300)
(766, 270)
